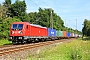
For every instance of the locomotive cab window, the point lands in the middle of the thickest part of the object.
(20, 26)
(17, 26)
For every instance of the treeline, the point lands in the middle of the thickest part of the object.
(86, 28)
(17, 12)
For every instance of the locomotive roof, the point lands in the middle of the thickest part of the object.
(20, 22)
(30, 24)
(38, 26)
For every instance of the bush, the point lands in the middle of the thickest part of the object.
(2, 36)
(5, 26)
(75, 54)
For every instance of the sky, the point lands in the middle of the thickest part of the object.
(68, 10)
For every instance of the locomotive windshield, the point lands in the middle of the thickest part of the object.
(17, 26)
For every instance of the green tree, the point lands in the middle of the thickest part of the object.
(7, 5)
(44, 17)
(33, 17)
(86, 28)
(5, 26)
(18, 9)
(3, 11)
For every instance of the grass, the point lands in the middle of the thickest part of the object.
(4, 42)
(86, 38)
(76, 50)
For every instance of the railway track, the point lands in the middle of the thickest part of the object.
(16, 48)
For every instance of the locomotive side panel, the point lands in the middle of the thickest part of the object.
(33, 31)
(38, 31)
(42, 32)
(26, 30)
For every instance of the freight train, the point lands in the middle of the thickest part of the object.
(24, 32)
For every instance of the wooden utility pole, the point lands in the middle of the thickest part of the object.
(66, 26)
(1, 12)
(76, 26)
(51, 19)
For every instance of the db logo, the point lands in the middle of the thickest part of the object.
(52, 32)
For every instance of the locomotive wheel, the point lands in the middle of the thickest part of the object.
(23, 42)
(28, 41)
(36, 40)
(52, 39)
(42, 40)
(14, 42)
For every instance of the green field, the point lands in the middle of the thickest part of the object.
(76, 50)
(4, 42)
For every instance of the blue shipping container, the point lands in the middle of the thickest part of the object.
(51, 32)
(68, 34)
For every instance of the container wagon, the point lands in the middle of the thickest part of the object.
(72, 35)
(51, 34)
(68, 34)
(59, 34)
(65, 35)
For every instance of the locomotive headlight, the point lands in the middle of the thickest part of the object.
(19, 37)
(20, 32)
(12, 32)
(10, 37)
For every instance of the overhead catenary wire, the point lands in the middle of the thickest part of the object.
(73, 24)
(66, 25)
(48, 5)
(39, 4)
(45, 3)
(56, 4)
(35, 3)
(69, 20)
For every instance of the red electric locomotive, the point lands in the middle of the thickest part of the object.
(22, 32)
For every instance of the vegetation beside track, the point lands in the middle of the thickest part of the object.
(76, 50)
(5, 42)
